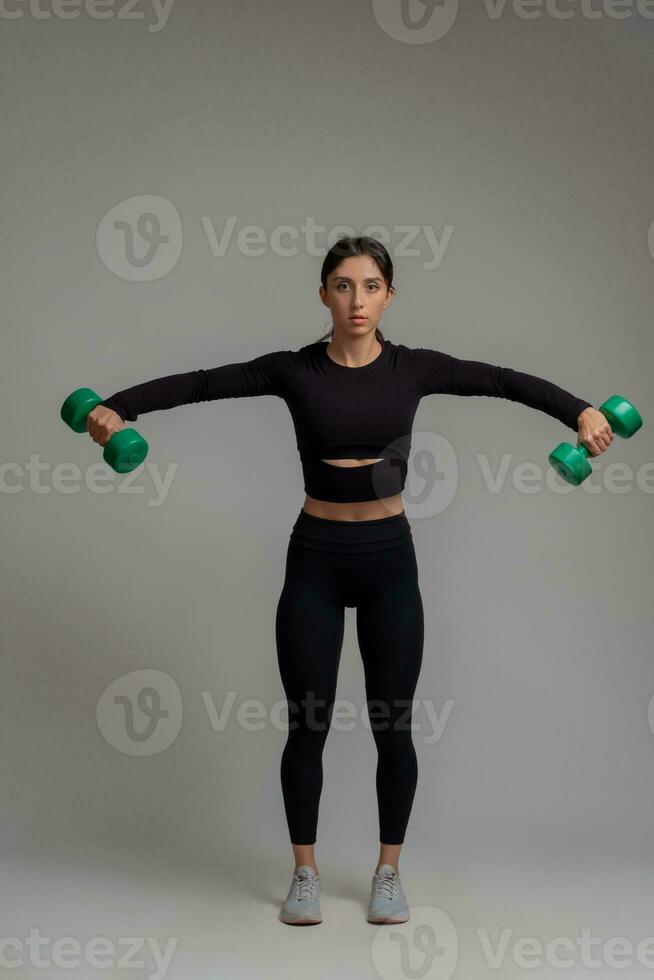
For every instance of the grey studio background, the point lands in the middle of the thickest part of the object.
(505, 159)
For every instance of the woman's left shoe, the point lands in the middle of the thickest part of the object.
(387, 901)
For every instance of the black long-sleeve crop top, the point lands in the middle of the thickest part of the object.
(350, 412)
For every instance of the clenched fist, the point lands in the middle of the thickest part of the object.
(102, 422)
(594, 431)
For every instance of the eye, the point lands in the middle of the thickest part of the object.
(375, 285)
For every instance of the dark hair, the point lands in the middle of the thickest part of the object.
(362, 245)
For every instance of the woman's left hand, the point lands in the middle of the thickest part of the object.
(594, 431)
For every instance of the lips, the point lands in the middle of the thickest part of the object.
(358, 318)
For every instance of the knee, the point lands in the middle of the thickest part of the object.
(393, 743)
(307, 740)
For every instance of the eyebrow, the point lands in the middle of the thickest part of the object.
(347, 279)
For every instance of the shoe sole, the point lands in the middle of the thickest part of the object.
(304, 921)
(386, 919)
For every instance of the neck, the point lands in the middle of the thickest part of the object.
(355, 352)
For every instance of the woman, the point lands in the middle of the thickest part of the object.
(352, 401)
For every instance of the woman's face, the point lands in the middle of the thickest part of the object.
(356, 286)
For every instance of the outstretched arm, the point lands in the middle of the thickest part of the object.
(264, 375)
(439, 372)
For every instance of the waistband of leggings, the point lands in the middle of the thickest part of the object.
(324, 533)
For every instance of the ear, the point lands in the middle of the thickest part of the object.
(387, 301)
(323, 295)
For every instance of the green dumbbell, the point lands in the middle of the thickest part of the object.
(571, 462)
(124, 451)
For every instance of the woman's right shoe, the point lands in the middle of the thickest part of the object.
(302, 905)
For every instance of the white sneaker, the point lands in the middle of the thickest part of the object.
(302, 905)
(387, 901)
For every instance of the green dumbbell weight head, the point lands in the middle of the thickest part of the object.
(571, 462)
(124, 451)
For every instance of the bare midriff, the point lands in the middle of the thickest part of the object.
(363, 510)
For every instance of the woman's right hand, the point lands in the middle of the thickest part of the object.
(102, 422)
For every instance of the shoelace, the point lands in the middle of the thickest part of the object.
(386, 886)
(305, 887)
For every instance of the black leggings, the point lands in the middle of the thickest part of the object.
(330, 565)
